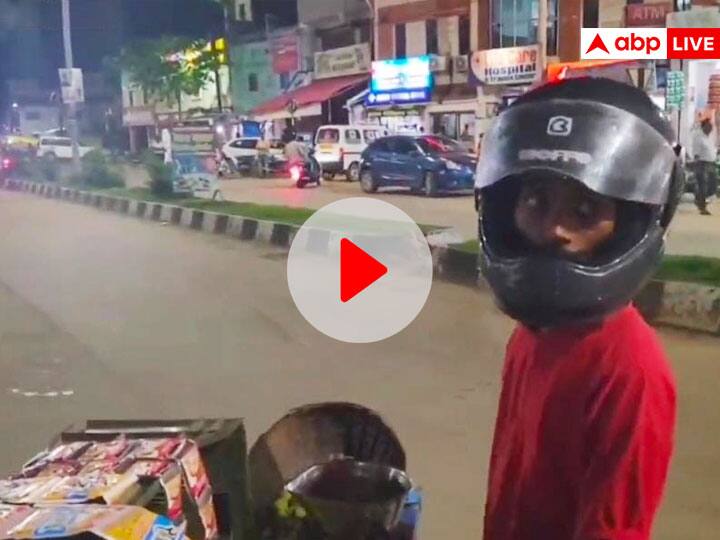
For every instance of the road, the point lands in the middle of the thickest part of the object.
(691, 233)
(115, 317)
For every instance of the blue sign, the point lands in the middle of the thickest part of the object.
(400, 81)
(398, 97)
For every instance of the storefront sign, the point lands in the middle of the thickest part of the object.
(398, 97)
(138, 116)
(512, 65)
(400, 81)
(674, 90)
(285, 54)
(344, 61)
(647, 14)
(401, 74)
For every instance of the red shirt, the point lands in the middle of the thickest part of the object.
(584, 434)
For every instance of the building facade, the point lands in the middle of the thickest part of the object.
(446, 31)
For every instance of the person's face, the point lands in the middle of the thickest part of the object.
(564, 218)
(706, 127)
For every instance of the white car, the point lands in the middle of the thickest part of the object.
(338, 148)
(59, 148)
(243, 151)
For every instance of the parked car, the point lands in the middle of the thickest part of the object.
(426, 164)
(59, 148)
(338, 148)
(243, 153)
(17, 141)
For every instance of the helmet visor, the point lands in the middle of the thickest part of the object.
(610, 151)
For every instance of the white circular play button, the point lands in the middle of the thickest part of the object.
(359, 270)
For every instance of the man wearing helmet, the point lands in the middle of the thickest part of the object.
(578, 181)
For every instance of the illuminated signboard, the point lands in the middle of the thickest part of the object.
(404, 80)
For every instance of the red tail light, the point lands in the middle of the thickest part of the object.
(6, 163)
(295, 172)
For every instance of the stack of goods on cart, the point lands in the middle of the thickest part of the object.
(116, 489)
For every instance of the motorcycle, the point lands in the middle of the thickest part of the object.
(305, 172)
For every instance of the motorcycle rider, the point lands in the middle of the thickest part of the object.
(297, 152)
(579, 181)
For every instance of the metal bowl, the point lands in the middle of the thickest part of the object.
(352, 499)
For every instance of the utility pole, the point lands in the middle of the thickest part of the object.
(71, 107)
(542, 38)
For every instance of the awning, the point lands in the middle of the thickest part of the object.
(593, 68)
(307, 99)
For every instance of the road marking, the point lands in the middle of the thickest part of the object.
(49, 394)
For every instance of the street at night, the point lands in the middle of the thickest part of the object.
(359, 270)
(145, 320)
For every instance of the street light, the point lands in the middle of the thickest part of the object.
(72, 118)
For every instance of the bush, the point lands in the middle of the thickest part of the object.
(96, 172)
(161, 175)
(49, 170)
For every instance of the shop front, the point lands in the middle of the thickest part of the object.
(400, 90)
(338, 74)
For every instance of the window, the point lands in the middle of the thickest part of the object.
(246, 144)
(241, 14)
(253, 82)
(590, 14)
(431, 36)
(381, 145)
(328, 135)
(400, 44)
(464, 35)
(402, 146)
(284, 80)
(436, 144)
(352, 136)
(370, 135)
(515, 22)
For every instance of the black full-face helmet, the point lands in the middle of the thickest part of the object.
(611, 138)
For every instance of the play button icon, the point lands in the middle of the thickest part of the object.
(359, 270)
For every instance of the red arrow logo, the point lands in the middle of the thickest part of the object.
(597, 43)
(358, 270)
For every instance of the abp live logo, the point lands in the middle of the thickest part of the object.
(623, 44)
(649, 43)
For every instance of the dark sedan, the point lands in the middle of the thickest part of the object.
(426, 164)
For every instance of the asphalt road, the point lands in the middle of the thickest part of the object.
(691, 233)
(107, 316)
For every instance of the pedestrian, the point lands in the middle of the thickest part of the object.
(167, 143)
(704, 148)
(573, 224)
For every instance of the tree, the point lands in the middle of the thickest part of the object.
(169, 67)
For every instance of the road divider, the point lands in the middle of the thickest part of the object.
(690, 306)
